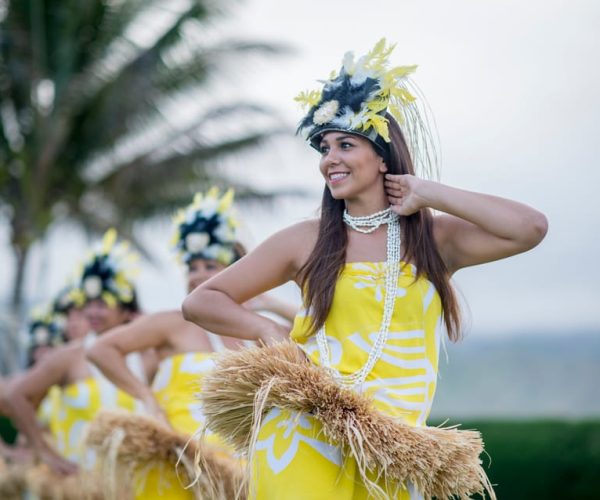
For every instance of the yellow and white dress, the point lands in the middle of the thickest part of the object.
(48, 411)
(175, 386)
(79, 403)
(293, 460)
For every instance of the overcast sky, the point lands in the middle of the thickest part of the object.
(514, 87)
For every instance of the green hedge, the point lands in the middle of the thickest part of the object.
(531, 460)
(7, 431)
(542, 459)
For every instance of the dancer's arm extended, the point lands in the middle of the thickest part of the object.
(215, 305)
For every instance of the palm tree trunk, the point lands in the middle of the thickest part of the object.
(10, 347)
(20, 252)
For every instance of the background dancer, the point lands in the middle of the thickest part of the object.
(206, 240)
(109, 297)
(48, 328)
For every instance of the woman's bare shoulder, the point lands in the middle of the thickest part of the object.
(298, 240)
(302, 229)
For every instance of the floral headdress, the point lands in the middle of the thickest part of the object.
(206, 229)
(67, 298)
(45, 329)
(108, 273)
(357, 99)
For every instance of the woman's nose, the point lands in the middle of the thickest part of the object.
(332, 158)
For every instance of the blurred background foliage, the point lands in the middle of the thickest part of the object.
(110, 113)
(541, 459)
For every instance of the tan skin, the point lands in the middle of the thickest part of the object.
(63, 366)
(77, 324)
(169, 334)
(474, 228)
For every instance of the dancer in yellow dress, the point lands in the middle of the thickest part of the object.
(68, 323)
(110, 300)
(46, 331)
(206, 239)
(374, 270)
(49, 326)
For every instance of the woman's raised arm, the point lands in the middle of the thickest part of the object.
(475, 228)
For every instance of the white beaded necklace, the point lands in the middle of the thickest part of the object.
(367, 225)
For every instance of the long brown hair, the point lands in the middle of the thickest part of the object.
(318, 276)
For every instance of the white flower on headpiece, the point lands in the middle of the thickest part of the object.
(92, 287)
(196, 242)
(344, 120)
(41, 334)
(212, 252)
(224, 232)
(326, 112)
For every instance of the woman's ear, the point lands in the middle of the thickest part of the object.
(382, 166)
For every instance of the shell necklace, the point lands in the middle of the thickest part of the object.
(366, 225)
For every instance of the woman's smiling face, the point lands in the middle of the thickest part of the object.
(350, 165)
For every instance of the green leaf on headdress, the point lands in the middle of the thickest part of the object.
(377, 58)
(380, 124)
(404, 95)
(108, 241)
(308, 99)
(226, 201)
(377, 105)
(396, 112)
(109, 299)
(401, 72)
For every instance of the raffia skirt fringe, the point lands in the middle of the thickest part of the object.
(38, 480)
(17, 480)
(440, 462)
(12, 481)
(125, 443)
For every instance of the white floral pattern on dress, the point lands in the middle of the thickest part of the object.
(373, 277)
(292, 426)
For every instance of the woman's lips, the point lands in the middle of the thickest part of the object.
(337, 177)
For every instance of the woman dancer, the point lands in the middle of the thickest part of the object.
(374, 270)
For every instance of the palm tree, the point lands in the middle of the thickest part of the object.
(90, 130)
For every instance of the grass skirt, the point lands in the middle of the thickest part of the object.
(440, 462)
(126, 443)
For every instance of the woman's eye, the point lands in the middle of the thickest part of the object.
(324, 149)
(345, 145)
